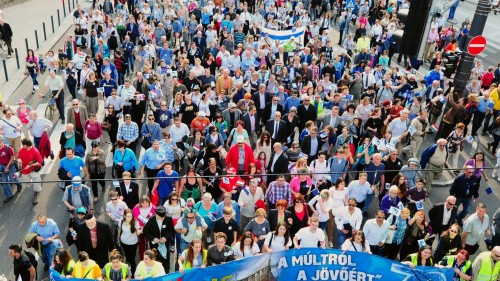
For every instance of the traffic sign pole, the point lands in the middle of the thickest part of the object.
(466, 63)
(476, 45)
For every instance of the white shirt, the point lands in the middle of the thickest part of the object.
(343, 216)
(350, 245)
(314, 203)
(247, 252)
(368, 80)
(398, 127)
(310, 239)
(9, 127)
(319, 170)
(446, 215)
(177, 133)
(375, 233)
(278, 242)
(249, 210)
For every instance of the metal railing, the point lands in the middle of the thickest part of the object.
(67, 7)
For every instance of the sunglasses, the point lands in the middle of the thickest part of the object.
(174, 199)
(75, 104)
(450, 203)
(299, 201)
(151, 119)
(80, 214)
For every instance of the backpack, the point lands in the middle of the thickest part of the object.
(33, 260)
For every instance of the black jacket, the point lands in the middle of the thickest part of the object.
(273, 218)
(131, 196)
(436, 216)
(306, 115)
(281, 136)
(151, 230)
(306, 145)
(104, 243)
(464, 187)
(267, 111)
(6, 31)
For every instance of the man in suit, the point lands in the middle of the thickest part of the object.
(231, 115)
(200, 41)
(442, 215)
(271, 108)
(98, 248)
(278, 164)
(281, 54)
(311, 145)
(306, 112)
(128, 190)
(93, 41)
(132, 29)
(194, 52)
(277, 128)
(260, 99)
(159, 236)
(331, 119)
(77, 115)
(255, 31)
(251, 124)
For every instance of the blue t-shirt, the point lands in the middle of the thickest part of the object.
(163, 117)
(72, 166)
(167, 183)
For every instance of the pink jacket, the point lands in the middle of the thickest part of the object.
(137, 211)
(295, 183)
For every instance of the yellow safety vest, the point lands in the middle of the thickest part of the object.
(487, 272)
(450, 260)
(414, 259)
(107, 269)
(155, 270)
(79, 273)
(187, 265)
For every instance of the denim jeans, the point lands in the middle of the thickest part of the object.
(340, 238)
(466, 206)
(7, 177)
(183, 245)
(48, 253)
(368, 201)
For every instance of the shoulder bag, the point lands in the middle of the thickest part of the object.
(146, 143)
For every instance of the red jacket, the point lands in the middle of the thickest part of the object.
(233, 155)
(44, 145)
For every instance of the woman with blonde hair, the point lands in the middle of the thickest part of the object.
(259, 226)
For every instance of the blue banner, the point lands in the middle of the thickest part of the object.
(307, 264)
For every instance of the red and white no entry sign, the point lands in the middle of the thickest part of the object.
(476, 45)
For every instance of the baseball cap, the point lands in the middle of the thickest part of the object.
(240, 139)
(76, 181)
(95, 144)
(81, 211)
(231, 105)
(202, 114)
(21, 101)
(231, 170)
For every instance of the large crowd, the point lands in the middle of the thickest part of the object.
(252, 145)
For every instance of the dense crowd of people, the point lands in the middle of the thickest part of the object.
(252, 145)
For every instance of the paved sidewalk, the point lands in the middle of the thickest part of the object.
(24, 19)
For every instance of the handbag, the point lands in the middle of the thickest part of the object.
(105, 125)
(145, 141)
